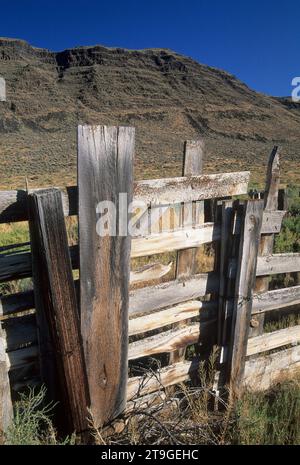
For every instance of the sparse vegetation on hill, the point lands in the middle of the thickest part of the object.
(168, 98)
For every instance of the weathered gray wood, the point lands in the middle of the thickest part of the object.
(13, 204)
(278, 263)
(191, 188)
(173, 292)
(232, 214)
(149, 272)
(169, 241)
(2, 89)
(277, 299)
(18, 265)
(105, 167)
(272, 221)
(267, 240)
(172, 374)
(262, 372)
(55, 299)
(193, 164)
(186, 259)
(272, 264)
(6, 410)
(263, 302)
(173, 339)
(242, 305)
(270, 341)
(227, 248)
(171, 315)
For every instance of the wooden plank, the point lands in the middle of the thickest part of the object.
(13, 204)
(270, 341)
(147, 402)
(191, 188)
(105, 167)
(267, 240)
(263, 302)
(149, 272)
(22, 357)
(173, 292)
(186, 259)
(16, 303)
(264, 371)
(166, 317)
(272, 221)
(278, 263)
(18, 265)
(173, 339)
(277, 299)
(242, 305)
(6, 410)
(20, 332)
(169, 241)
(272, 264)
(55, 298)
(151, 382)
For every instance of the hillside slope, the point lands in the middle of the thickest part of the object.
(166, 96)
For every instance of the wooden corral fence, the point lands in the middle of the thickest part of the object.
(84, 331)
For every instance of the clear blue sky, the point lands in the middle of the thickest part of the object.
(258, 41)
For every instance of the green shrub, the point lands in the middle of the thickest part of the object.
(32, 423)
(270, 418)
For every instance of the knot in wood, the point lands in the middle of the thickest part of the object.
(254, 323)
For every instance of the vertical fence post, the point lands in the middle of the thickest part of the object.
(242, 304)
(267, 240)
(6, 410)
(186, 259)
(231, 215)
(2, 90)
(105, 170)
(55, 298)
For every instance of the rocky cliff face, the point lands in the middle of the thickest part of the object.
(166, 96)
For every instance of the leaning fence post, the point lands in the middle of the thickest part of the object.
(267, 240)
(105, 170)
(242, 302)
(55, 298)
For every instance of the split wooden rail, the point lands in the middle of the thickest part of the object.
(79, 335)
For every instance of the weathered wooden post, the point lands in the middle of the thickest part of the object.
(245, 274)
(105, 170)
(267, 240)
(55, 299)
(186, 259)
(6, 410)
(2, 90)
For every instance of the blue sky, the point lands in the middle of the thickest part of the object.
(258, 41)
